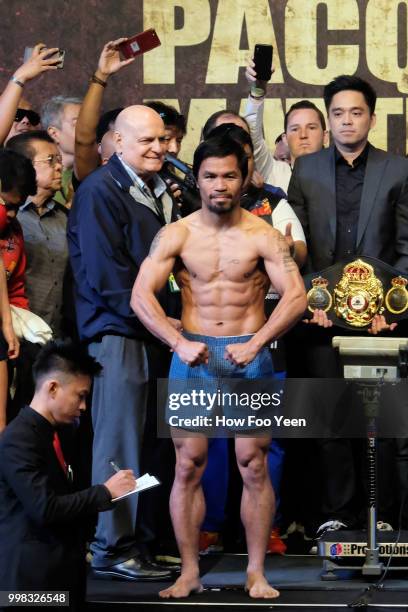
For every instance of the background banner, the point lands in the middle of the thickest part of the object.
(205, 46)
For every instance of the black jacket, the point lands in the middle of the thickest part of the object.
(40, 514)
(383, 220)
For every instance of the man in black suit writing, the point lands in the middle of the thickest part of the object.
(41, 514)
(352, 200)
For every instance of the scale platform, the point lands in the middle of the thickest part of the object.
(345, 544)
(346, 550)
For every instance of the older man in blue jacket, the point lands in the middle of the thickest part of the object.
(117, 212)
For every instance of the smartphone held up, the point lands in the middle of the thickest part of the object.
(263, 62)
(140, 43)
(57, 55)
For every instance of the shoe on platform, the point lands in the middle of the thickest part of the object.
(210, 542)
(168, 559)
(169, 562)
(276, 546)
(381, 526)
(328, 526)
(134, 569)
(333, 525)
(164, 563)
(167, 555)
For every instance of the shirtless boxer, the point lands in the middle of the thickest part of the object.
(226, 259)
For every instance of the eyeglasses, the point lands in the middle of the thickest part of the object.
(51, 160)
(32, 116)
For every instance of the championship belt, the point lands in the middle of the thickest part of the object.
(352, 293)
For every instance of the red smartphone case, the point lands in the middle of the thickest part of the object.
(140, 43)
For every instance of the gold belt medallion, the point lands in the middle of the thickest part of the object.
(396, 299)
(359, 294)
(319, 298)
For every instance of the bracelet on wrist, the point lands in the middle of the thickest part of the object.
(16, 81)
(257, 92)
(97, 80)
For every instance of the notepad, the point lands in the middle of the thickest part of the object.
(142, 483)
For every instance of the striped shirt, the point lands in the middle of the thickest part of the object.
(47, 258)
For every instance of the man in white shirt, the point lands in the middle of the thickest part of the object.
(304, 130)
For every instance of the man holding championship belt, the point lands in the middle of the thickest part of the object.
(352, 201)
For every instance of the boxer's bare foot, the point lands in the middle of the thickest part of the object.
(258, 587)
(183, 587)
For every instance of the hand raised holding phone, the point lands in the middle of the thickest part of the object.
(37, 60)
(109, 60)
(260, 69)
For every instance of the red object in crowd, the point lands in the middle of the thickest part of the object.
(14, 259)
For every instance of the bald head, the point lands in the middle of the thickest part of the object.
(140, 139)
(135, 117)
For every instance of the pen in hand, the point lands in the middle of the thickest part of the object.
(114, 466)
(123, 482)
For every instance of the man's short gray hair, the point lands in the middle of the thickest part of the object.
(53, 109)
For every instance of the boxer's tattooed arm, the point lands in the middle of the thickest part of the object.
(156, 241)
(283, 249)
(289, 263)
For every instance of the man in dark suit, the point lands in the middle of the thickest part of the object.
(41, 513)
(352, 200)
